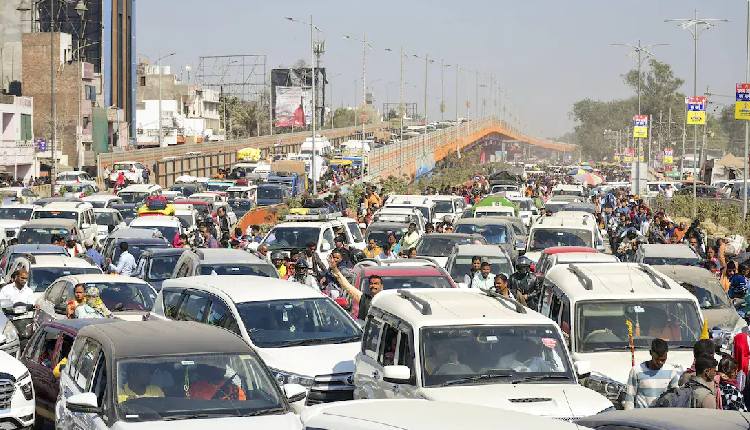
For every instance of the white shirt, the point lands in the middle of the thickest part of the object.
(12, 293)
(125, 265)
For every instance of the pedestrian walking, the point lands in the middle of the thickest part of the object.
(650, 379)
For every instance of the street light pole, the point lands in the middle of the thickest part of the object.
(747, 125)
(158, 66)
(52, 105)
(695, 25)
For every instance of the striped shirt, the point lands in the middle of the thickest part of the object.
(646, 385)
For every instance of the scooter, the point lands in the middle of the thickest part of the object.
(22, 316)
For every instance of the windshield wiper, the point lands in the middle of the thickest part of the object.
(263, 412)
(303, 342)
(537, 378)
(186, 417)
(477, 378)
(345, 339)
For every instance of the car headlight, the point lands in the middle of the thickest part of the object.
(10, 332)
(608, 387)
(27, 388)
(292, 378)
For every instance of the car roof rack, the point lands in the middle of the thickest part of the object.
(414, 261)
(582, 277)
(656, 277)
(521, 309)
(421, 304)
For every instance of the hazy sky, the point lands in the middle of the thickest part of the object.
(547, 54)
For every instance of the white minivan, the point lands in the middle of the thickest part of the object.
(468, 346)
(80, 212)
(303, 336)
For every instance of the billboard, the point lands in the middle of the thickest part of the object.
(293, 107)
(640, 126)
(742, 104)
(696, 110)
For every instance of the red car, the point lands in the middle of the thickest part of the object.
(540, 268)
(400, 274)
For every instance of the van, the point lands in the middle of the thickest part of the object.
(555, 230)
(423, 203)
(593, 305)
(80, 212)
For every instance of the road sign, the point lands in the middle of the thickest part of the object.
(696, 110)
(742, 104)
(640, 126)
(668, 156)
(41, 145)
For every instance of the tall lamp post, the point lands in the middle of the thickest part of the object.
(696, 26)
(443, 66)
(639, 51)
(365, 45)
(747, 125)
(314, 90)
(158, 66)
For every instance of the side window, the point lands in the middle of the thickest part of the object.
(388, 346)
(405, 353)
(45, 349)
(555, 306)
(220, 315)
(371, 337)
(328, 237)
(564, 320)
(34, 345)
(86, 365)
(54, 293)
(171, 302)
(194, 308)
(67, 292)
(99, 382)
(65, 346)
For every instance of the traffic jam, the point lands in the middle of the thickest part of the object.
(531, 295)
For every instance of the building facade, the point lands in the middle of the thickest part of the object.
(16, 137)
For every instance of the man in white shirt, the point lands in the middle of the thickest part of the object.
(126, 263)
(18, 291)
(410, 238)
(483, 279)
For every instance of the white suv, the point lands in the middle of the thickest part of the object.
(303, 336)
(45, 269)
(551, 231)
(592, 302)
(16, 394)
(467, 346)
(81, 212)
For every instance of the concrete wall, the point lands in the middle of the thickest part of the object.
(11, 25)
(16, 156)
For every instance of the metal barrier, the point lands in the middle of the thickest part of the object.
(167, 171)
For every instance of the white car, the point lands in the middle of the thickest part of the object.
(303, 336)
(592, 302)
(17, 405)
(467, 346)
(528, 212)
(107, 220)
(74, 177)
(102, 200)
(45, 269)
(138, 193)
(12, 217)
(448, 208)
(132, 170)
(551, 231)
(408, 414)
(17, 194)
(80, 212)
(168, 226)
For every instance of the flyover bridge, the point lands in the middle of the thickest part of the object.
(412, 157)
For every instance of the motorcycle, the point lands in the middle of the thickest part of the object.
(21, 316)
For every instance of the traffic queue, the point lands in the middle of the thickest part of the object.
(541, 301)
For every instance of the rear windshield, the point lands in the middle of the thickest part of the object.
(265, 270)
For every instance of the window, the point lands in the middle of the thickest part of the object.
(72, 366)
(171, 303)
(55, 293)
(388, 346)
(564, 320)
(45, 348)
(142, 81)
(220, 315)
(370, 339)
(86, 365)
(194, 308)
(328, 237)
(26, 133)
(405, 354)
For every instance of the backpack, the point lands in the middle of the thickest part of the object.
(680, 397)
(156, 203)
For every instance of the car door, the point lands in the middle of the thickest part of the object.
(38, 357)
(86, 373)
(90, 228)
(326, 244)
(194, 307)
(367, 370)
(397, 348)
(52, 297)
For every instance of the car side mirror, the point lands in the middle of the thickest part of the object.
(295, 392)
(85, 403)
(397, 374)
(583, 368)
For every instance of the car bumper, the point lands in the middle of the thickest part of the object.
(19, 415)
(331, 388)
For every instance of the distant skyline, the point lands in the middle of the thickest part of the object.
(546, 54)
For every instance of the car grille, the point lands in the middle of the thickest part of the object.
(530, 400)
(6, 393)
(331, 388)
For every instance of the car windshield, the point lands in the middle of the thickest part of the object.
(600, 326)
(281, 323)
(136, 249)
(494, 234)
(125, 296)
(395, 282)
(485, 213)
(525, 205)
(167, 231)
(555, 206)
(474, 355)
(186, 190)
(676, 261)
(543, 238)
(217, 186)
(291, 237)
(106, 218)
(424, 209)
(162, 266)
(443, 206)
(19, 214)
(710, 295)
(97, 204)
(576, 193)
(63, 178)
(439, 245)
(120, 166)
(131, 197)
(265, 270)
(380, 236)
(270, 193)
(354, 231)
(236, 194)
(41, 277)
(55, 215)
(127, 212)
(41, 235)
(462, 266)
(188, 386)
